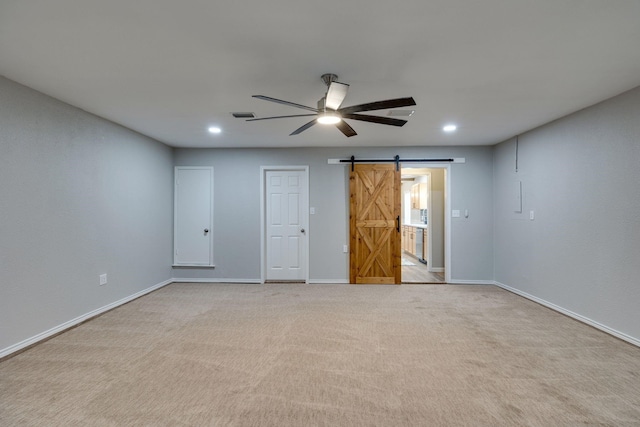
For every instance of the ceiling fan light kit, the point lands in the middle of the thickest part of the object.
(329, 111)
(328, 118)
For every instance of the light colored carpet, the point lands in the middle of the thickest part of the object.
(325, 355)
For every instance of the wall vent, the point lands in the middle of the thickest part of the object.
(246, 115)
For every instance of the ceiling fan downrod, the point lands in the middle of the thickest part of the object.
(328, 78)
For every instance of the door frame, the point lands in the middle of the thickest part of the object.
(263, 216)
(447, 211)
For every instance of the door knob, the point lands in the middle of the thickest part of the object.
(206, 230)
(302, 230)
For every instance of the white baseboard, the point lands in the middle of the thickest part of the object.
(328, 281)
(471, 282)
(251, 281)
(192, 266)
(436, 269)
(576, 316)
(73, 322)
(213, 280)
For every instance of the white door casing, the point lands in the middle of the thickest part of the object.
(193, 216)
(285, 231)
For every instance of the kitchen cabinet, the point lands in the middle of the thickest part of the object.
(412, 240)
(419, 196)
(403, 239)
(415, 196)
(423, 197)
(409, 239)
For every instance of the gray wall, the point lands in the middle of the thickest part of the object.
(79, 196)
(237, 208)
(581, 177)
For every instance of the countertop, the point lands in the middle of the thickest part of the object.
(417, 225)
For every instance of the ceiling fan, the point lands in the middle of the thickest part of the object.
(329, 111)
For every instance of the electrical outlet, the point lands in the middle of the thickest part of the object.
(103, 279)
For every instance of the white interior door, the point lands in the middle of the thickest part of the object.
(193, 216)
(285, 220)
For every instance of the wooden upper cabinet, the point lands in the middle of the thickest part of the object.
(419, 197)
(423, 197)
(415, 196)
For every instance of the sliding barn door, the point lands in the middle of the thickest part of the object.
(374, 224)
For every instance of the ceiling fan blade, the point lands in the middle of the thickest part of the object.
(280, 101)
(375, 119)
(336, 94)
(280, 117)
(345, 129)
(303, 127)
(378, 105)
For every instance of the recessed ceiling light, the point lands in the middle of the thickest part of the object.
(449, 128)
(214, 129)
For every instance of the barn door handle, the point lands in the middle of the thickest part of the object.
(398, 223)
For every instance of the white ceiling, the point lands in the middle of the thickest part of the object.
(170, 69)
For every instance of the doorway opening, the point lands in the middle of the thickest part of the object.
(423, 234)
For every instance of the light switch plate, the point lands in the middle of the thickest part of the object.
(455, 213)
